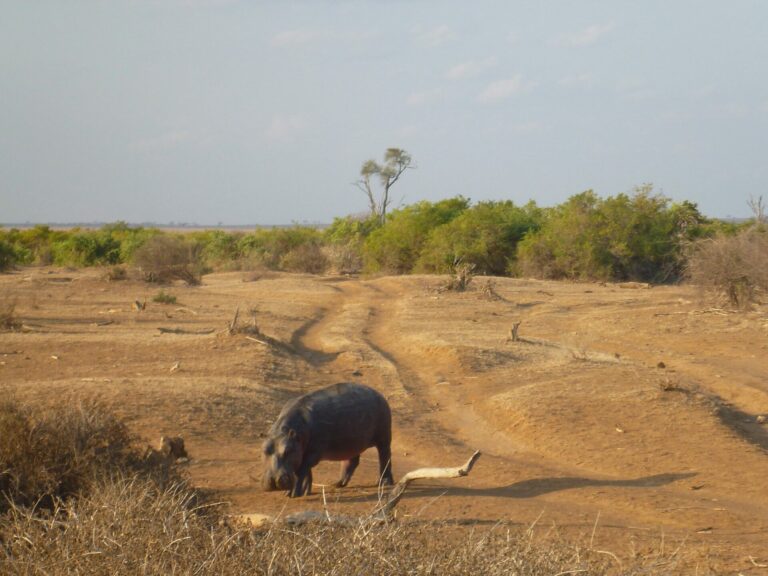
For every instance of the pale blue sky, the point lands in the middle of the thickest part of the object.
(261, 112)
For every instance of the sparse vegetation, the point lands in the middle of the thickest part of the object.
(641, 236)
(8, 319)
(733, 267)
(163, 297)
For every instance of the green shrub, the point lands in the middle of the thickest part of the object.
(485, 236)
(350, 230)
(219, 249)
(637, 237)
(130, 238)
(270, 246)
(8, 257)
(344, 241)
(86, 248)
(396, 246)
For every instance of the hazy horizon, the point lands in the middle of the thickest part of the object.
(245, 113)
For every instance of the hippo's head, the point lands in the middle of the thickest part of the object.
(282, 458)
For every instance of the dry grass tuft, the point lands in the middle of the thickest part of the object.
(8, 319)
(131, 526)
(62, 452)
(116, 273)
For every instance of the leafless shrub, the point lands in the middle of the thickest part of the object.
(463, 273)
(61, 452)
(758, 209)
(116, 273)
(164, 259)
(344, 258)
(307, 257)
(8, 319)
(733, 267)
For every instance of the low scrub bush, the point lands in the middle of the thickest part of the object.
(8, 257)
(116, 273)
(86, 248)
(733, 267)
(270, 247)
(308, 258)
(8, 319)
(164, 259)
(163, 298)
(59, 453)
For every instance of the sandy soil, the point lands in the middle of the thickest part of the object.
(628, 417)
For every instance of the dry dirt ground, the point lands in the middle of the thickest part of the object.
(630, 418)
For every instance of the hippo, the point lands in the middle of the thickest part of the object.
(335, 423)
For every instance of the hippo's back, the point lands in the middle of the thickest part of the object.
(342, 419)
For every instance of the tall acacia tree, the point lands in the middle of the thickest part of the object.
(396, 161)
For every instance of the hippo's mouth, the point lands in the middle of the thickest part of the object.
(284, 481)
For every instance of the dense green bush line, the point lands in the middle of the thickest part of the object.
(638, 236)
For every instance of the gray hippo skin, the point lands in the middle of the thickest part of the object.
(335, 423)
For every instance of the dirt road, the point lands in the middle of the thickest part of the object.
(628, 416)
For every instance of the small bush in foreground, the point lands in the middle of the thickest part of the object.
(61, 452)
(734, 267)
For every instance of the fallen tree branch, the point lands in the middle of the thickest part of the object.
(381, 514)
(182, 331)
(385, 511)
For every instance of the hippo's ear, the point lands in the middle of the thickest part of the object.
(291, 433)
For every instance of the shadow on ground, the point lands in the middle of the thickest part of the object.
(523, 489)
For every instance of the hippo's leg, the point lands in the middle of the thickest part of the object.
(347, 469)
(303, 485)
(385, 464)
